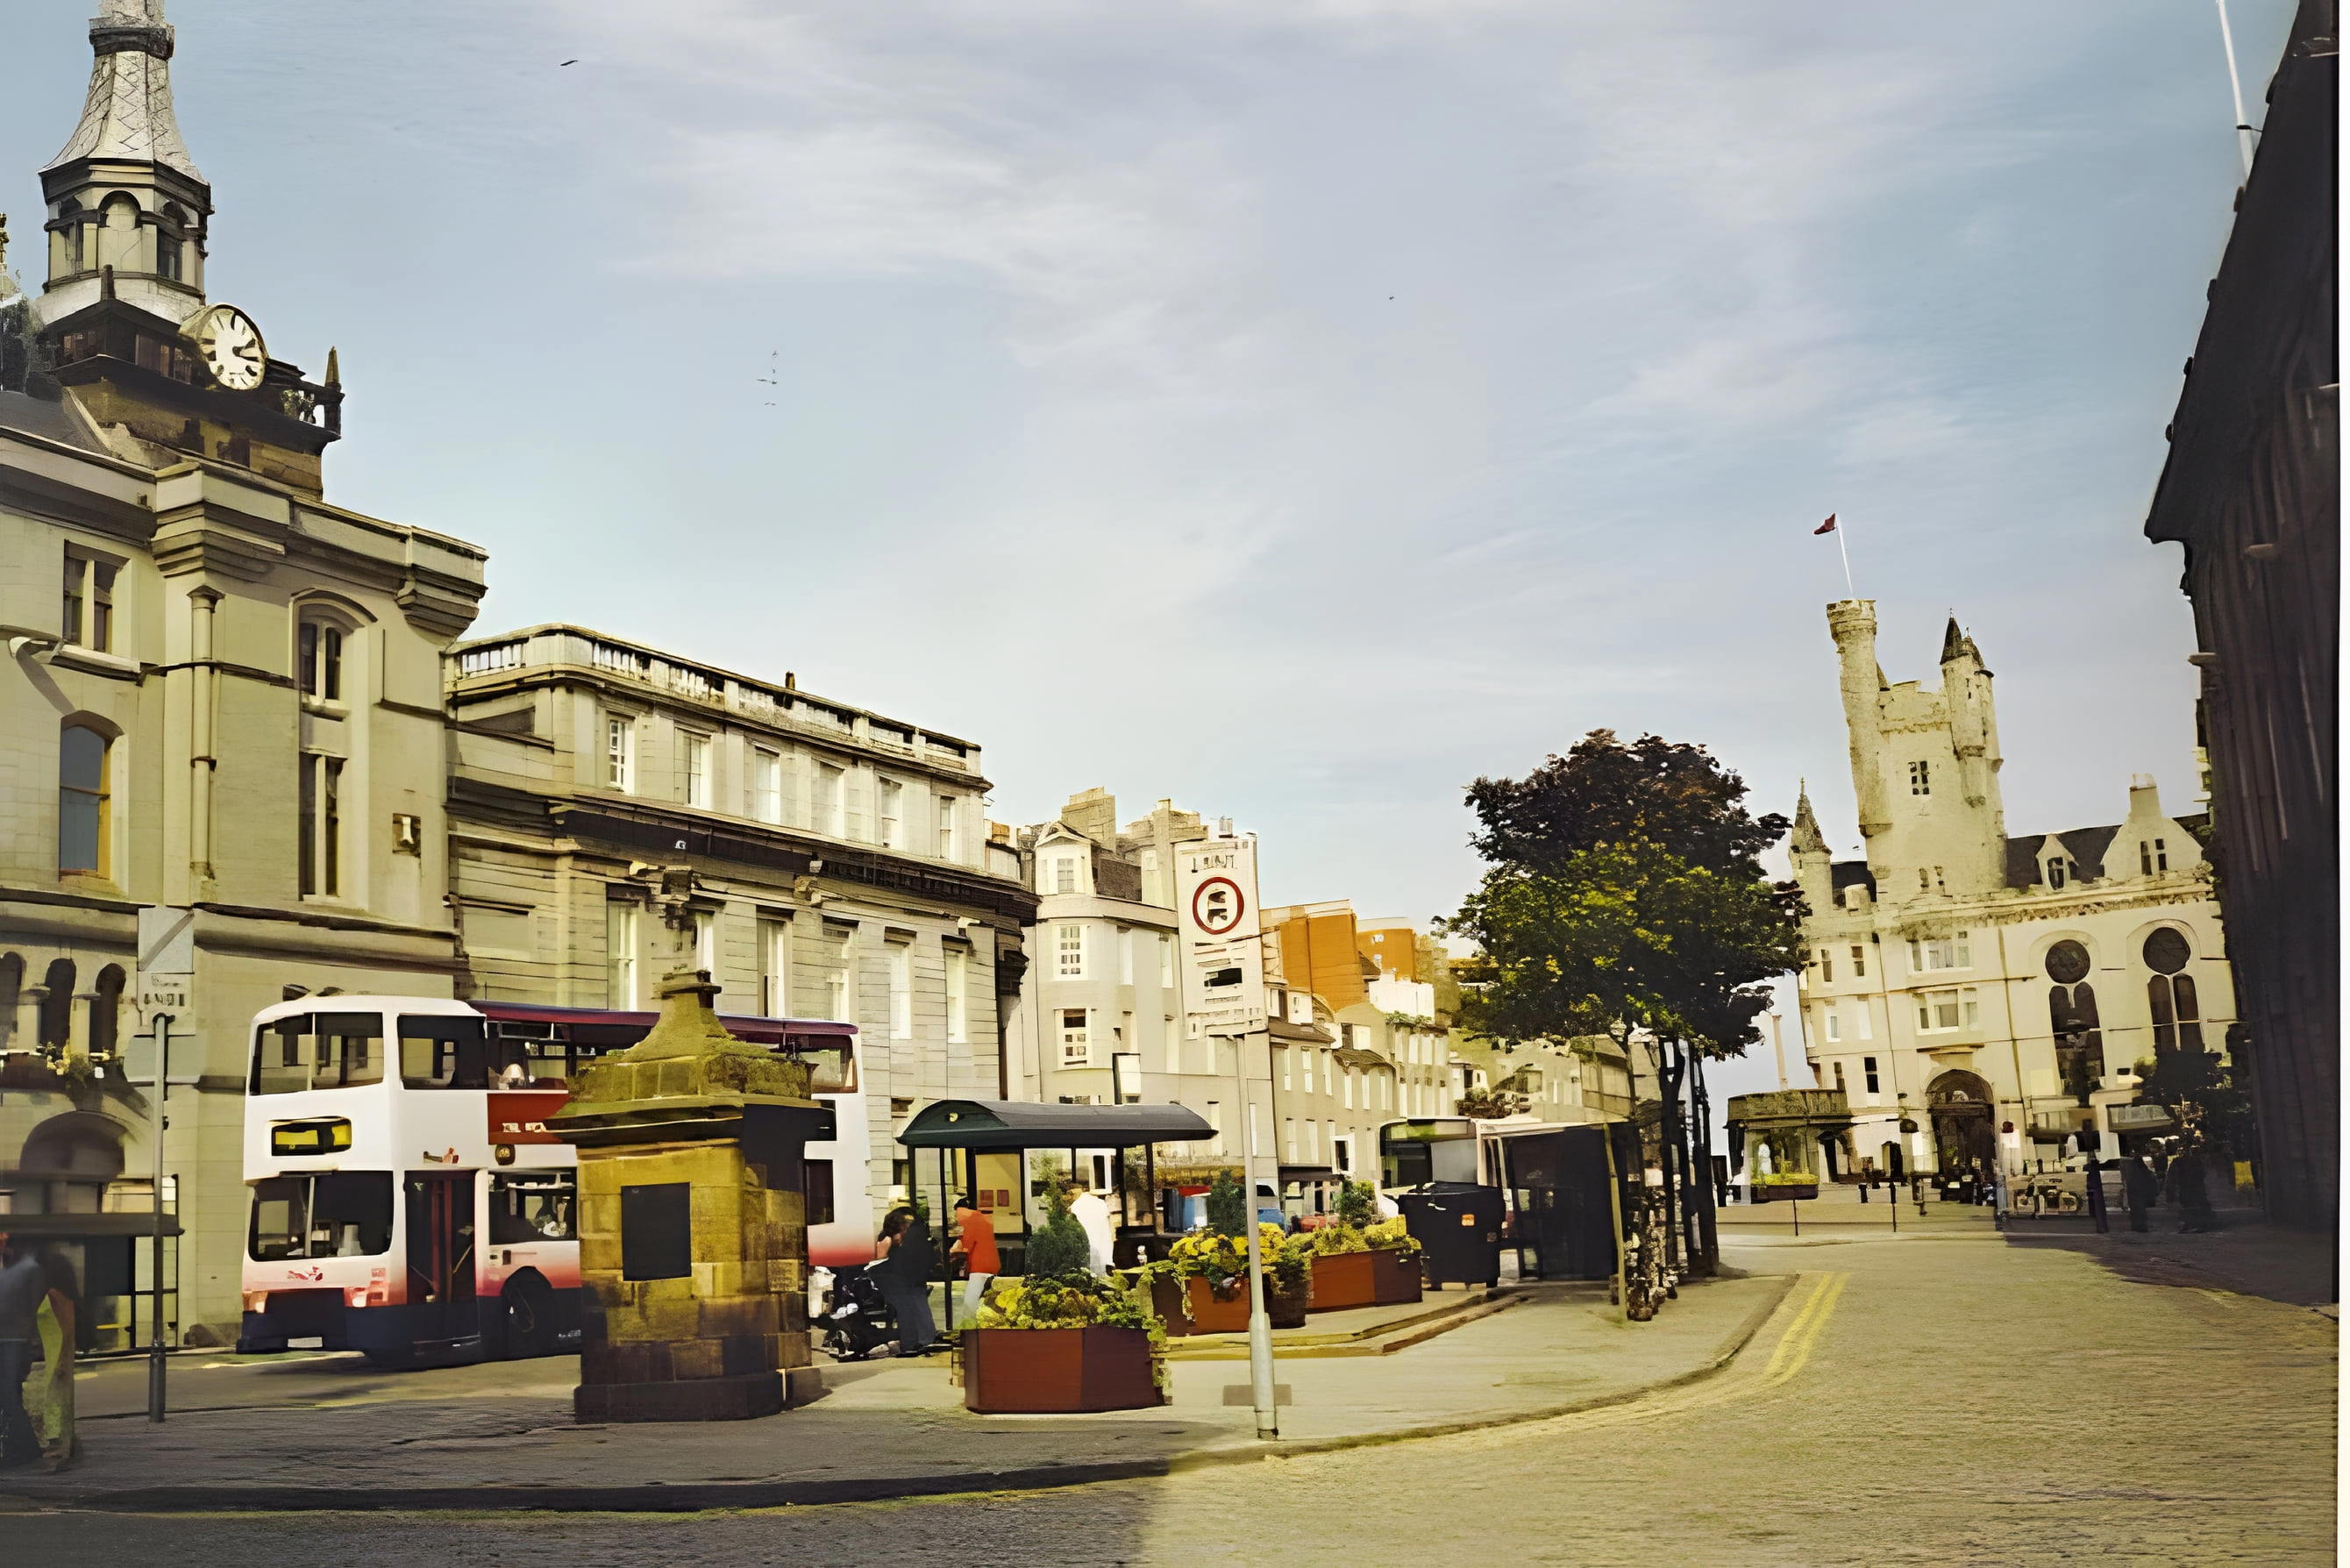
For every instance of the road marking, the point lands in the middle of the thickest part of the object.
(2224, 1298)
(1795, 1346)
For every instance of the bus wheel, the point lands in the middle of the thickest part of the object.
(527, 1320)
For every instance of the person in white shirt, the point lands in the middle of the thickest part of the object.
(1091, 1212)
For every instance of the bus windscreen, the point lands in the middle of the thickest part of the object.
(331, 1214)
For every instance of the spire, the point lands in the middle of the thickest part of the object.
(1954, 641)
(128, 116)
(1807, 838)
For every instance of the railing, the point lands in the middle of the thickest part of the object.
(764, 704)
(490, 660)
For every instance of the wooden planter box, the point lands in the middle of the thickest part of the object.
(1210, 1314)
(1395, 1278)
(1166, 1299)
(1773, 1194)
(1053, 1371)
(1383, 1278)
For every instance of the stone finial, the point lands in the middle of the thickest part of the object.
(688, 1055)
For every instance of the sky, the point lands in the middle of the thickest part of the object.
(1296, 408)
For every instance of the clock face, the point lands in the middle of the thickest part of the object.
(230, 346)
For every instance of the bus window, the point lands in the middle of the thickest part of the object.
(831, 1069)
(817, 1180)
(351, 1050)
(281, 1056)
(538, 1206)
(333, 1214)
(443, 1053)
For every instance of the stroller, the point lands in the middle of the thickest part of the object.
(856, 1319)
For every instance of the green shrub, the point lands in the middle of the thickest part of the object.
(1358, 1204)
(1391, 1235)
(1059, 1247)
(1228, 1207)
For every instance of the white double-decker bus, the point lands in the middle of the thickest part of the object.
(407, 1199)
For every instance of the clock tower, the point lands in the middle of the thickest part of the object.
(131, 336)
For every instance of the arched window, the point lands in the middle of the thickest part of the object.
(320, 661)
(106, 1010)
(82, 796)
(2170, 992)
(170, 236)
(64, 240)
(2073, 1018)
(12, 991)
(54, 1023)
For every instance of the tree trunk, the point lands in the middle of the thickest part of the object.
(1706, 1242)
(1669, 1096)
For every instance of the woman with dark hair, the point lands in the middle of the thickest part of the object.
(904, 1271)
(57, 1320)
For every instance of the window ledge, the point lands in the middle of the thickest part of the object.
(324, 707)
(93, 883)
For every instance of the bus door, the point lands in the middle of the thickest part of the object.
(440, 1256)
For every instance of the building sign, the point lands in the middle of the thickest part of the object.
(1224, 955)
(167, 961)
(519, 1115)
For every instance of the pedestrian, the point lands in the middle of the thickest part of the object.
(2140, 1187)
(903, 1271)
(53, 1417)
(975, 1244)
(2188, 1175)
(23, 1289)
(1091, 1210)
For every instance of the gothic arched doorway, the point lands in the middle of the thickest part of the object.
(1964, 1136)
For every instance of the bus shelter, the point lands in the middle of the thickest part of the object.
(1007, 1155)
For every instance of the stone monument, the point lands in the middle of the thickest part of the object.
(692, 1233)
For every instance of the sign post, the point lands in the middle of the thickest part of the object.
(1223, 998)
(167, 963)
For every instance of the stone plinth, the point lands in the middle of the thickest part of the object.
(692, 1233)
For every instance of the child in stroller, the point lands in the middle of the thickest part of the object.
(856, 1318)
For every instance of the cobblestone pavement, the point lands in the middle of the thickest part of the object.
(1925, 1402)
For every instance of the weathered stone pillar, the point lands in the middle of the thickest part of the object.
(692, 1235)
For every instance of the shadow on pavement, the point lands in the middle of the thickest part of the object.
(2247, 1255)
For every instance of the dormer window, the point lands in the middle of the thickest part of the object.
(320, 670)
(2153, 856)
(2055, 871)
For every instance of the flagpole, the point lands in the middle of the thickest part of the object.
(1845, 556)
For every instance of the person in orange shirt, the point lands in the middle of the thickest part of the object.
(975, 1240)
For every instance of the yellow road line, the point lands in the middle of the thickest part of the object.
(1821, 1285)
(1796, 1349)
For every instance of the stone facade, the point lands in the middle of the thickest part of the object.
(1994, 990)
(222, 695)
(835, 861)
(2252, 491)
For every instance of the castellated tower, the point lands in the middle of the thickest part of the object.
(1924, 764)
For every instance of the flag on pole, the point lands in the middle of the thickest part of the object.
(1828, 526)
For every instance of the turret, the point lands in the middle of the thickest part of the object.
(123, 193)
(1808, 857)
(1853, 623)
(1975, 737)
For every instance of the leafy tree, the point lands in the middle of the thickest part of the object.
(1625, 895)
(1227, 1204)
(1603, 792)
(1060, 1245)
(2208, 1085)
(1359, 1204)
